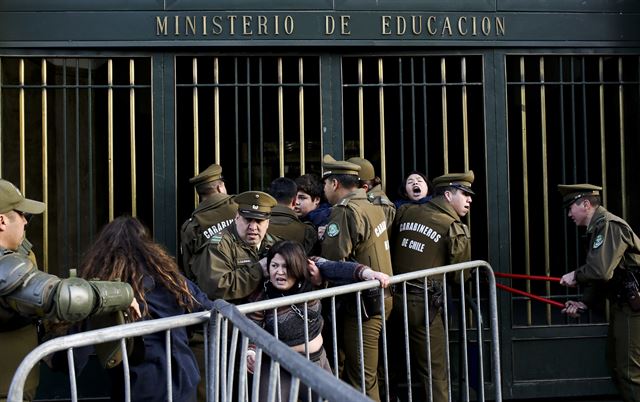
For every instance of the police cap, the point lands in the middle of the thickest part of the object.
(11, 199)
(367, 172)
(212, 173)
(255, 204)
(460, 181)
(332, 166)
(573, 192)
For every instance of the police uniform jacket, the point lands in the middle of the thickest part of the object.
(612, 244)
(18, 337)
(429, 235)
(377, 197)
(209, 218)
(228, 268)
(285, 224)
(357, 231)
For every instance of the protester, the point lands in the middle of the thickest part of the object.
(288, 269)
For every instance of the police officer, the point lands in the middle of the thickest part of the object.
(214, 213)
(372, 185)
(228, 266)
(284, 222)
(425, 236)
(613, 259)
(357, 231)
(27, 293)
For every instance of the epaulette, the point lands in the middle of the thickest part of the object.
(343, 203)
(215, 239)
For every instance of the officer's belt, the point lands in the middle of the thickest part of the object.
(418, 289)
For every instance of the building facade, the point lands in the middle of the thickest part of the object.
(107, 108)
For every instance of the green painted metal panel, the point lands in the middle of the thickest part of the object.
(145, 28)
(428, 5)
(608, 6)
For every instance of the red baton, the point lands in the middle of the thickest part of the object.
(528, 277)
(529, 295)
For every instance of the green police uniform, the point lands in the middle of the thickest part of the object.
(375, 195)
(208, 219)
(213, 215)
(228, 267)
(27, 294)
(613, 246)
(378, 197)
(357, 231)
(284, 223)
(426, 236)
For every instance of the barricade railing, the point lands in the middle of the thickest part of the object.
(231, 333)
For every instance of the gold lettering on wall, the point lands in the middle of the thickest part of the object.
(400, 26)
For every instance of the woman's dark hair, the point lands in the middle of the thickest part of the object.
(125, 251)
(402, 189)
(293, 255)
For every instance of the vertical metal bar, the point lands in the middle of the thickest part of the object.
(424, 118)
(196, 124)
(90, 152)
(280, 119)
(132, 136)
(603, 148)
(237, 126)
(414, 140)
(480, 329)
(585, 129)
(465, 352)
(110, 137)
(301, 112)
(126, 370)
(334, 333)
(249, 112)
(383, 152)
(525, 182)
(65, 175)
(360, 341)
(216, 109)
(167, 340)
(427, 320)
(360, 108)
(623, 171)
(447, 352)
(23, 173)
(72, 375)
(465, 114)
(45, 170)
(545, 182)
(77, 159)
(445, 126)
(385, 349)
(401, 110)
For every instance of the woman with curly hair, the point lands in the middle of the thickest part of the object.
(125, 251)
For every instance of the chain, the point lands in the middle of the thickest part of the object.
(296, 310)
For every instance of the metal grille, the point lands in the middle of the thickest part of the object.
(421, 113)
(76, 133)
(257, 116)
(571, 119)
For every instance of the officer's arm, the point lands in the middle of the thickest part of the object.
(460, 243)
(220, 278)
(33, 293)
(605, 253)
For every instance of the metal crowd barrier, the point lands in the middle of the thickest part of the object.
(231, 332)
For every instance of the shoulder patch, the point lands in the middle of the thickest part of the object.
(332, 230)
(598, 241)
(215, 239)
